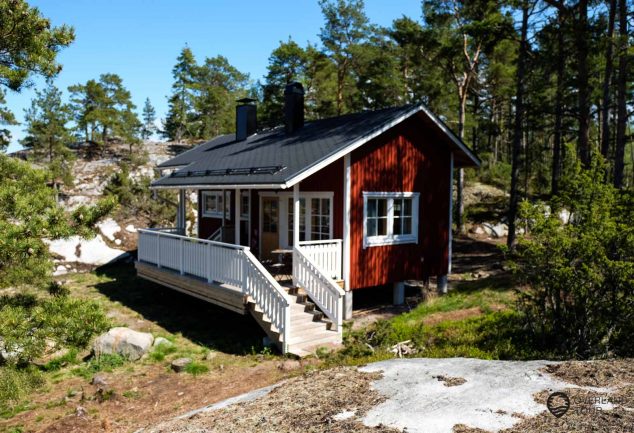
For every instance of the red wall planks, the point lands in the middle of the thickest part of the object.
(402, 159)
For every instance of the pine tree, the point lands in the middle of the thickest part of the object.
(149, 117)
(345, 28)
(104, 109)
(179, 122)
(6, 118)
(218, 84)
(47, 133)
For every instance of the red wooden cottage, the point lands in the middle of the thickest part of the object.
(293, 220)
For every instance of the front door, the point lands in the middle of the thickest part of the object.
(270, 226)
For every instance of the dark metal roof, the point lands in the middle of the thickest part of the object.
(274, 158)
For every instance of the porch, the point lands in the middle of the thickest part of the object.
(297, 315)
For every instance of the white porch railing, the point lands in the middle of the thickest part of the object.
(327, 254)
(322, 289)
(219, 262)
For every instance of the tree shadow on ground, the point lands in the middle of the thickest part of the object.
(199, 321)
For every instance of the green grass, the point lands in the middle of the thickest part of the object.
(159, 353)
(106, 363)
(195, 368)
(495, 331)
(15, 385)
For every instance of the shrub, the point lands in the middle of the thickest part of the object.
(580, 273)
(195, 368)
(28, 322)
(15, 385)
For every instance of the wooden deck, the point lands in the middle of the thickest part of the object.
(223, 295)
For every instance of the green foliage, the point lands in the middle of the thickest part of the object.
(103, 109)
(106, 363)
(6, 118)
(15, 386)
(202, 104)
(28, 323)
(29, 44)
(149, 117)
(47, 133)
(493, 172)
(161, 351)
(135, 199)
(195, 368)
(581, 272)
(29, 214)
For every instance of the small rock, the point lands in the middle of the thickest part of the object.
(123, 341)
(130, 228)
(180, 394)
(289, 364)
(98, 380)
(60, 270)
(80, 411)
(117, 241)
(180, 364)
(159, 341)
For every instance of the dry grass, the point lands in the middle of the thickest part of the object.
(306, 404)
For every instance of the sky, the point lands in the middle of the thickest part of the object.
(140, 39)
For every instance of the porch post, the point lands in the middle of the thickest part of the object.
(296, 215)
(238, 211)
(181, 213)
(347, 308)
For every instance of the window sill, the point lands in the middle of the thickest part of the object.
(382, 241)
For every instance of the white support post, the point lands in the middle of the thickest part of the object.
(347, 311)
(296, 207)
(296, 215)
(238, 203)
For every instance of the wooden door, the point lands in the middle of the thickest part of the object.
(270, 226)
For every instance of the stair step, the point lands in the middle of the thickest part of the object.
(308, 325)
(315, 337)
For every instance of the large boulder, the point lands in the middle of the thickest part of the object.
(123, 341)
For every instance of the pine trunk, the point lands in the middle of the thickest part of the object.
(517, 127)
(559, 96)
(582, 83)
(621, 125)
(607, 79)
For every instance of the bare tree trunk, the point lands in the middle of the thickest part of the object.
(621, 103)
(607, 79)
(582, 83)
(559, 96)
(518, 127)
(460, 187)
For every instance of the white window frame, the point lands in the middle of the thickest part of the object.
(390, 238)
(244, 216)
(216, 214)
(283, 209)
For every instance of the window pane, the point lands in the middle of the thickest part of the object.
(398, 207)
(408, 207)
(396, 226)
(372, 208)
(382, 226)
(382, 207)
(315, 206)
(325, 206)
(371, 227)
(407, 226)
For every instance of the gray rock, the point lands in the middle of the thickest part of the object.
(210, 355)
(9, 355)
(123, 341)
(98, 380)
(180, 364)
(160, 341)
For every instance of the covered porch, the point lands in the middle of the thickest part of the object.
(266, 280)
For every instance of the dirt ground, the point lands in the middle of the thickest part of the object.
(335, 401)
(133, 399)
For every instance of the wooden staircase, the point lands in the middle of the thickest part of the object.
(309, 329)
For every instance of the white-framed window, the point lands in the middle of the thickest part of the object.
(213, 204)
(390, 218)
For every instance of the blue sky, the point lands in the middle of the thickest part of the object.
(140, 39)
